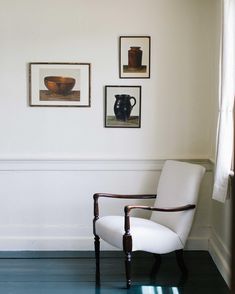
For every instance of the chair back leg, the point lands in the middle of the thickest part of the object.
(180, 261)
(155, 268)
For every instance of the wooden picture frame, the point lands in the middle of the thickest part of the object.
(134, 57)
(59, 84)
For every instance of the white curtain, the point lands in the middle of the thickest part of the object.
(226, 100)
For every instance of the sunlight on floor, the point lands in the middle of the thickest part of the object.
(158, 290)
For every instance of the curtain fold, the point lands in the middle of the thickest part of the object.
(226, 101)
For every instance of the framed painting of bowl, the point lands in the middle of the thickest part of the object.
(59, 84)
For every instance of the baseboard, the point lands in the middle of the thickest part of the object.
(46, 243)
(197, 243)
(38, 244)
(220, 255)
(82, 254)
(36, 254)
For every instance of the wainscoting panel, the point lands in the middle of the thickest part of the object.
(48, 204)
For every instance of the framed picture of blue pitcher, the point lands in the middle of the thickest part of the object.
(134, 57)
(122, 106)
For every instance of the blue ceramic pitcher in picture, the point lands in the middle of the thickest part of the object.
(123, 106)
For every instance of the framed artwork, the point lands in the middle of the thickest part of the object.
(59, 84)
(134, 57)
(122, 106)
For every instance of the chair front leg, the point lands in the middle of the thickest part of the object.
(127, 247)
(96, 239)
(97, 259)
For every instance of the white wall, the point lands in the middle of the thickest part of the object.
(44, 202)
(176, 116)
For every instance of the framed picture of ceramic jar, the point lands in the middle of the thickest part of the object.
(122, 106)
(134, 57)
(59, 84)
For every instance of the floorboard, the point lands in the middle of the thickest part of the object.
(75, 273)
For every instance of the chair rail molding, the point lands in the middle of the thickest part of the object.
(74, 164)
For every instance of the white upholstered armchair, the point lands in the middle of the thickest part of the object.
(167, 229)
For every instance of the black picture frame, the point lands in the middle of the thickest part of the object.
(122, 106)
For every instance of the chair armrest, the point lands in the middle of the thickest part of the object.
(134, 196)
(96, 196)
(128, 208)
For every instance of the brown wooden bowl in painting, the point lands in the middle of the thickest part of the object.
(59, 85)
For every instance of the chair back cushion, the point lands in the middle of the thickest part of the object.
(178, 185)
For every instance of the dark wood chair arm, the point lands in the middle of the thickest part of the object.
(128, 208)
(120, 196)
(96, 196)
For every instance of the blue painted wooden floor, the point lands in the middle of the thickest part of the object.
(75, 273)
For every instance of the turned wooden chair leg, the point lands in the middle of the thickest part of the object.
(156, 266)
(128, 269)
(180, 261)
(127, 247)
(97, 259)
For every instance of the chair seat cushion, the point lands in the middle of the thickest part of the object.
(146, 235)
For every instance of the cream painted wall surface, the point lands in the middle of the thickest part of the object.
(44, 202)
(176, 101)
